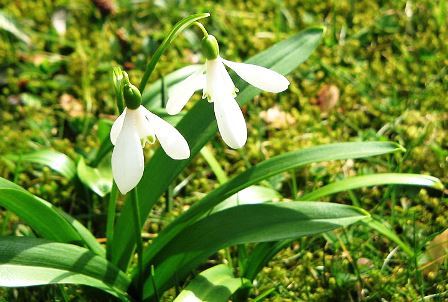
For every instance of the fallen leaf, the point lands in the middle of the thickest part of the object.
(327, 97)
(71, 105)
(436, 253)
(277, 118)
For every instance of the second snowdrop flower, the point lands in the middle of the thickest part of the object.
(129, 133)
(218, 88)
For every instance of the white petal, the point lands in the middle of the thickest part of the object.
(172, 142)
(182, 92)
(219, 82)
(127, 157)
(144, 127)
(231, 123)
(116, 127)
(260, 77)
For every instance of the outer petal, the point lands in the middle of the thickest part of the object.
(260, 77)
(231, 123)
(127, 157)
(172, 142)
(182, 92)
(116, 127)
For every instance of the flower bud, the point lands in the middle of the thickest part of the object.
(210, 47)
(132, 96)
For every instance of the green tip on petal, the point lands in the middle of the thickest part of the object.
(132, 96)
(210, 47)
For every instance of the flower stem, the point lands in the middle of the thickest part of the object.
(138, 238)
(111, 208)
(204, 31)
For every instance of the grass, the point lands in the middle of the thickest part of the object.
(387, 60)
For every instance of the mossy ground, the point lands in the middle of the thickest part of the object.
(387, 61)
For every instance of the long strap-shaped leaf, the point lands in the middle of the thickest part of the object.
(244, 224)
(264, 252)
(262, 171)
(375, 180)
(30, 261)
(198, 126)
(48, 221)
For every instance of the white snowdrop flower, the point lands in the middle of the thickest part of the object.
(218, 88)
(129, 133)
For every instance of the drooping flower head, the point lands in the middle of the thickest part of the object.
(129, 134)
(219, 89)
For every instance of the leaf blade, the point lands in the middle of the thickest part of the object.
(30, 261)
(356, 182)
(48, 221)
(245, 224)
(262, 171)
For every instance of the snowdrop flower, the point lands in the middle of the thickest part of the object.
(218, 88)
(129, 134)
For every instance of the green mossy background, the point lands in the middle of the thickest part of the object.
(387, 61)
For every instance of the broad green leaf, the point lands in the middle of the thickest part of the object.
(263, 252)
(245, 224)
(262, 171)
(9, 25)
(57, 161)
(48, 221)
(198, 126)
(99, 179)
(215, 284)
(31, 261)
(178, 28)
(375, 180)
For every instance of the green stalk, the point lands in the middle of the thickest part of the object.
(179, 27)
(111, 209)
(138, 236)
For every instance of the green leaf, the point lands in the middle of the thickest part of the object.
(30, 261)
(48, 221)
(57, 161)
(198, 126)
(99, 179)
(375, 180)
(262, 171)
(215, 284)
(245, 224)
(178, 28)
(265, 251)
(9, 25)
